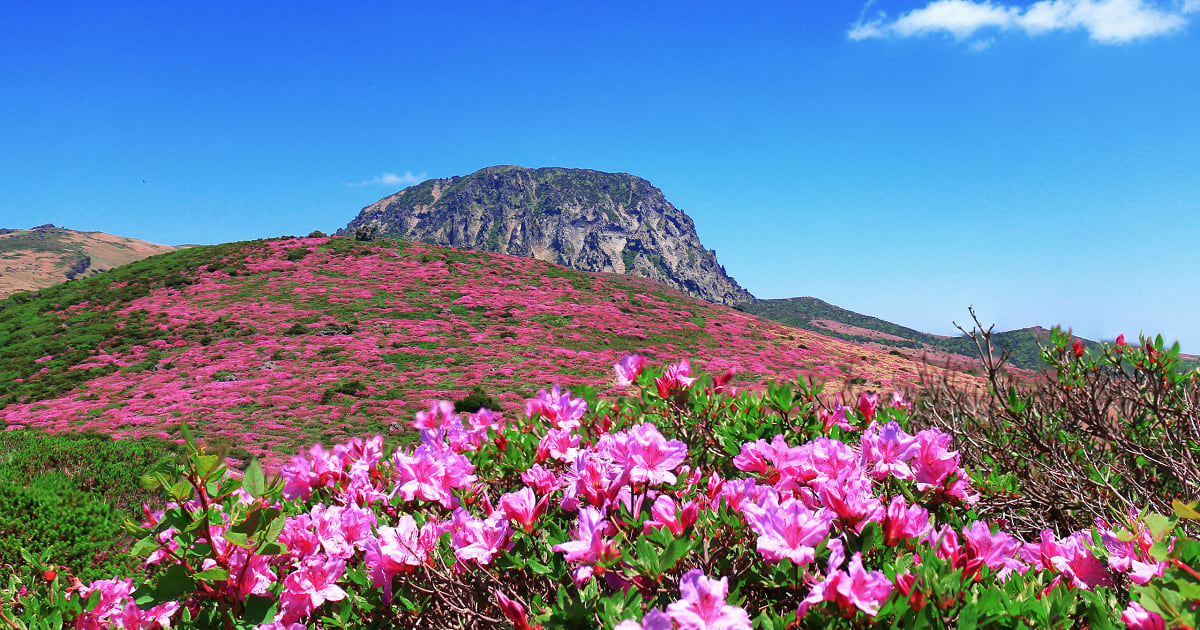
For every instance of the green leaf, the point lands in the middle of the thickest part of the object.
(205, 464)
(259, 609)
(215, 574)
(1186, 510)
(252, 480)
(144, 546)
(187, 434)
(237, 538)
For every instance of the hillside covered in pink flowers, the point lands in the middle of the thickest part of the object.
(267, 345)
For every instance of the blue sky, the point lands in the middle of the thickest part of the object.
(904, 159)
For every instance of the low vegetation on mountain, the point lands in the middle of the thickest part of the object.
(267, 344)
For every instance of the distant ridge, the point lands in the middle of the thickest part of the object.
(810, 313)
(47, 255)
(583, 219)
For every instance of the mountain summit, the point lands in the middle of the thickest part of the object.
(584, 219)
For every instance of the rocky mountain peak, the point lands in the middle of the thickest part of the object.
(579, 218)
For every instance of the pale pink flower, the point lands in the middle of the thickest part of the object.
(652, 458)
(588, 547)
(888, 449)
(702, 605)
(1068, 557)
(560, 444)
(541, 480)
(480, 540)
(310, 586)
(853, 588)
(998, 551)
(787, 529)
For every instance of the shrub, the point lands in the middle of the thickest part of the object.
(778, 509)
(366, 233)
(475, 400)
(1117, 429)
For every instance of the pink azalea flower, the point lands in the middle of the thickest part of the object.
(628, 369)
(557, 408)
(541, 480)
(787, 529)
(851, 498)
(1132, 557)
(866, 406)
(1068, 557)
(310, 586)
(665, 513)
(513, 610)
(654, 619)
(998, 551)
(651, 457)
(430, 473)
(898, 402)
(902, 521)
(702, 605)
(393, 552)
(1138, 618)
(853, 588)
(439, 413)
(560, 444)
(588, 547)
(936, 467)
(676, 377)
(523, 507)
(480, 540)
(834, 417)
(888, 450)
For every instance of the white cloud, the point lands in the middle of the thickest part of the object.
(1105, 21)
(981, 45)
(392, 179)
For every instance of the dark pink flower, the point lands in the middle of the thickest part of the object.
(675, 377)
(902, 521)
(866, 406)
(513, 610)
(665, 513)
(523, 507)
(1138, 618)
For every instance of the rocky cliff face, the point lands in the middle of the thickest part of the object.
(577, 218)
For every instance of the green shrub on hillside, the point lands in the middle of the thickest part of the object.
(66, 496)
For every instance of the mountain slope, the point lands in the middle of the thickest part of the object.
(46, 255)
(809, 313)
(584, 219)
(271, 343)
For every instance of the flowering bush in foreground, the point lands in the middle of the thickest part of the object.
(683, 506)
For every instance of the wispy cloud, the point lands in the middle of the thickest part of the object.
(392, 179)
(1105, 21)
